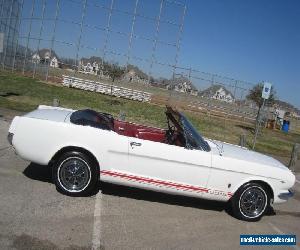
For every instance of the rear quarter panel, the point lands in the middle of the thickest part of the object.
(38, 140)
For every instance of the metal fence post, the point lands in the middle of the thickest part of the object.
(155, 40)
(80, 35)
(179, 40)
(294, 157)
(28, 36)
(2, 22)
(17, 42)
(107, 33)
(55, 102)
(8, 36)
(131, 33)
(235, 87)
(53, 35)
(243, 140)
(1, 11)
(40, 34)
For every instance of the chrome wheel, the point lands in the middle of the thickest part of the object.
(253, 202)
(74, 174)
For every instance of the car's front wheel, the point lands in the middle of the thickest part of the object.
(75, 174)
(250, 202)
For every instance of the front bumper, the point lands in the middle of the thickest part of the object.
(286, 196)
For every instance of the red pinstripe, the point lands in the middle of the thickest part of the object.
(160, 183)
(152, 181)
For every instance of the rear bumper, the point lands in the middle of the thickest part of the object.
(285, 196)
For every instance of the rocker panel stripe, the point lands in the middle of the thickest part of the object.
(167, 184)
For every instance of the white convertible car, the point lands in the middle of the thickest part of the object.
(84, 146)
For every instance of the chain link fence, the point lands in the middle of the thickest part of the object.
(133, 44)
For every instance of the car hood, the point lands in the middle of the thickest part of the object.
(244, 154)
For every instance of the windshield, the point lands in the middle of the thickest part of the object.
(193, 138)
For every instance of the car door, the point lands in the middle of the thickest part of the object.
(111, 149)
(168, 162)
(117, 152)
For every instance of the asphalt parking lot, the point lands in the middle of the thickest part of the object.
(33, 215)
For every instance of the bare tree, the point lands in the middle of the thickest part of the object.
(255, 96)
(115, 71)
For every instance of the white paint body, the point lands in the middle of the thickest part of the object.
(213, 175)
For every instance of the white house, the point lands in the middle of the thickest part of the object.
(45, 56)
(183, 84)
(218, 92)
(133, 76)
(54, 62)
(186, 87)
(223, 95)
(90, 65)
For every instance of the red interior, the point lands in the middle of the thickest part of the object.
(139, 131)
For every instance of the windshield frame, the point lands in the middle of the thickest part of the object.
(193, 138)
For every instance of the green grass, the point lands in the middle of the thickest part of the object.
(25, 94)
(277, 142)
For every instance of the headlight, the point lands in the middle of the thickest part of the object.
(10, 137)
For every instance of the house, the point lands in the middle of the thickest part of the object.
(134, 74)
(218, 92)
(182, 84)
(90, 65)
(45, 56)
(186, 87)
(294, 112)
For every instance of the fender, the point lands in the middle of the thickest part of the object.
(252, 179)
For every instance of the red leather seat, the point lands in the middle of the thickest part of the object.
(151, 136)
(139, 131)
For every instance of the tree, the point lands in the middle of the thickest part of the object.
(152, 80)
(115, 71)
(67, 63)
(255, 96)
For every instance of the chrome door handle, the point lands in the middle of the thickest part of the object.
(135, 144)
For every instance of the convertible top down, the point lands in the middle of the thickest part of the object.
(84, 146)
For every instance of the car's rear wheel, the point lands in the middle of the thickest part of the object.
(250, 202)
(75, 174)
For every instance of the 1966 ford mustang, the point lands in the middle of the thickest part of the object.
(84, 146)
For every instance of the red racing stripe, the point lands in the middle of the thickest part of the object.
(152, 181)
(161, 183)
